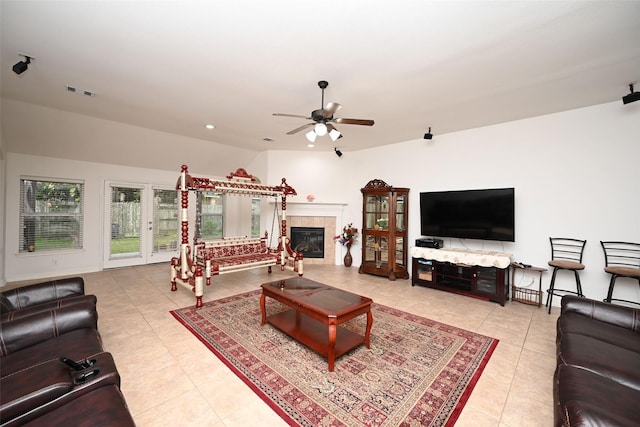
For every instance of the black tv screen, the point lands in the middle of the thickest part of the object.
(487, 214)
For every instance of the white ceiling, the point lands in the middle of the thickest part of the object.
(175, 66)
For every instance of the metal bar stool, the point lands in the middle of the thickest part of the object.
(621, 259)
(566, 254)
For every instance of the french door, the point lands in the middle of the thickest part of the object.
(141, 224)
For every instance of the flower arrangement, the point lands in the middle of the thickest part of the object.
(348, 235)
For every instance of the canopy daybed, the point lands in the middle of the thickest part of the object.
(192, 269)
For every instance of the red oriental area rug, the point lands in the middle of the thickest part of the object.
(418, 372)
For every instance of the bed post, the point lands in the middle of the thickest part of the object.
(283, 231)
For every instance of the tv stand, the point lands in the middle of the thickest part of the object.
(472, 273)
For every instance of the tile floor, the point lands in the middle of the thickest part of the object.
(169, 378)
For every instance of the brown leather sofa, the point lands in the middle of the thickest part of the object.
(597, 378)
(53, 368)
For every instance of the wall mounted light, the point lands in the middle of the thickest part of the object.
(428, 135)
(338, 152)
(22, 66)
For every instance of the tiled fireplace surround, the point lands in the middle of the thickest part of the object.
(326, 215)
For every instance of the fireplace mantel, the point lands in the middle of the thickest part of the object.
(315, 208)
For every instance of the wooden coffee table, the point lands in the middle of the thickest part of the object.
(316, 311)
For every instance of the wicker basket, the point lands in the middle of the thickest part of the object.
(526, 296)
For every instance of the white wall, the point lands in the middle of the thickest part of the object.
(576, 174)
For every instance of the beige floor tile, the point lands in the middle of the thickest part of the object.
(521, 411)
(256, 413)
(147, 386)
(490, 394)
(472, 417)
(193, 410)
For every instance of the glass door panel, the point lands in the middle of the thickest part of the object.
(124, 220)
(141, 224)
(164, 225)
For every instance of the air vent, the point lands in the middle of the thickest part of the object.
(79, 91)
(267, 139)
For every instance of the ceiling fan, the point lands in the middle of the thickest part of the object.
(323, 119)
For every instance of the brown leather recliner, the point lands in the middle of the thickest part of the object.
(597, 378)
(54, 370)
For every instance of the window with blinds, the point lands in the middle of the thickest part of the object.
(255, 217)
(209, 218)
(51, 214)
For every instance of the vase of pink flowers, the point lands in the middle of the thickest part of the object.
(347, 238)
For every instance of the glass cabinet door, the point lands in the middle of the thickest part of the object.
(400, 258)
(377, 213)
(376, 250)
(401, 223)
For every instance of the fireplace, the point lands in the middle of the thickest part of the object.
(308, 240)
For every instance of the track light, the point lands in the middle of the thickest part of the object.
(428, 135)
(22, 66)
(632, 97)
(338, 152)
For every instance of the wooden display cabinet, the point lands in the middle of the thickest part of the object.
(384, 230)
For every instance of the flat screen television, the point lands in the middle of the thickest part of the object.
(487, 214)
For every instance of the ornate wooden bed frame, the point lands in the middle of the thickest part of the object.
(229, 254)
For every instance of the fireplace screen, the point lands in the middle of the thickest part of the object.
(308, 240)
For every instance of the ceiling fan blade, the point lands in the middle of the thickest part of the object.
(331, 109)
(303, 127)
(362, 122)
(297, 116)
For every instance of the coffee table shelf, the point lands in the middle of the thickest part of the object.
(313, 333)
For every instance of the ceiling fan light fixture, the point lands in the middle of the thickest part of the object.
(334, 134)
(311, 136)
(321, 129)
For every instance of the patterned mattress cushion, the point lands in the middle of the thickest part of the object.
(223, 263)
(227, 251)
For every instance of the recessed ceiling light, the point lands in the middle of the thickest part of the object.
(310, 145)
(209, 126)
